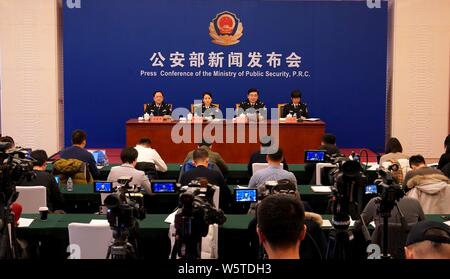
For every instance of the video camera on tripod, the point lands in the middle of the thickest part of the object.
(348, 187)
(389, 193)
(124, 209)
(15, 166)
(196, 212)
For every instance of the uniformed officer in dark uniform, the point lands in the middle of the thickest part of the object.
(296, 107)
(208, 108)
(252, 101)
(158, 107)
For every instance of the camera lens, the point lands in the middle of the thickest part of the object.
(112, 201)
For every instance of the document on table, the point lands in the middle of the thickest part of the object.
(171, 218)
(321, 189)
(99, 222)
(326, 223)
(312, 119)
(25, 222)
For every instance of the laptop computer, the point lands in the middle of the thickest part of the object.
(99, 156)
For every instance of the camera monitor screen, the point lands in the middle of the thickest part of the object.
(164, 186)
(103, 187)
(314, 156)
(245, 195)
(371, 189)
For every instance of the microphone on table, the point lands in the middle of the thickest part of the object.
(16, 209)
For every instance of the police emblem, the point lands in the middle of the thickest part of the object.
(226, 29)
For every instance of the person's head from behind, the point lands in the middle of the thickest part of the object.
(129, 155)
(275, 158)
(158, 97)
(40, 156)
(428, 240)
(393, 145)
(296, 97)
(447, 144)
(417, 162)
(207, 99)
(9, 140)
(281, 226)
(146, 142)
(253, 95)
(200, 157)
(328, 139)
(265, 141)
(79, 138)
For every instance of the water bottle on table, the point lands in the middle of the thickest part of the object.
(69, 184)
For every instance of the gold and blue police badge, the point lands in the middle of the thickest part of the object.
(226, 29)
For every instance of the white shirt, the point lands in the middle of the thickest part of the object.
(150, 155)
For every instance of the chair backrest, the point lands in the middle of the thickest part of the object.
(319, 171)
(259, 166)
(280, 110)
(210, 243)
(31, 198)
(93, 239)
(199, 105)
(148, 168)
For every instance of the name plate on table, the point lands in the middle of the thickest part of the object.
(290, 120)
(241, 120)
(157, 119)
(197, 119)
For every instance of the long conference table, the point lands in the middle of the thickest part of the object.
(53, 236)
(83, 199)
(239, 140)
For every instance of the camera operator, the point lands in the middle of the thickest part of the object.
(428, 240)
(129, 156)
(281, 226)
(201, 160)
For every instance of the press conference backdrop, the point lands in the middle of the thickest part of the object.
(117, 52)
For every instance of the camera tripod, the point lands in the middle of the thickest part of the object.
(339, 243)
(9, 247)
(120, 248)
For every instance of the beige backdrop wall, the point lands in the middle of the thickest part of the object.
(421, 75)
(30, 72)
